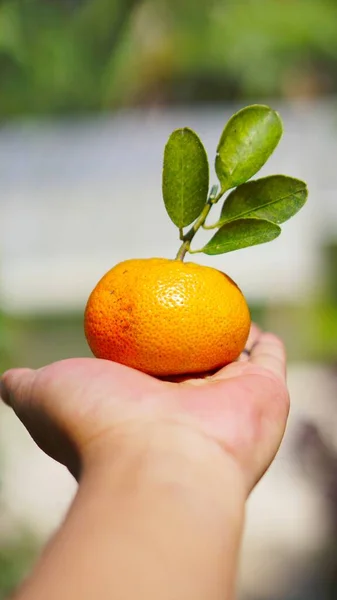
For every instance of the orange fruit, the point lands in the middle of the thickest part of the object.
(166, 317)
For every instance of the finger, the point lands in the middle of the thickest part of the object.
(18, 389)
(253, 337)
(232, 368)
(16, 386)
(269, 353)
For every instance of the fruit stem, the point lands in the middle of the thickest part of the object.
(188, 237)
(182, 251)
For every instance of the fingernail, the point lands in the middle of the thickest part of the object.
(4, 393)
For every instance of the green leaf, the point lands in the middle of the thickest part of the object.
(248, 140)
(241, 234)
(276, 198)
(185, 177)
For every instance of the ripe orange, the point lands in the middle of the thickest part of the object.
(166, 317)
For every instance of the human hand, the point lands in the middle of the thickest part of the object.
(81, 409)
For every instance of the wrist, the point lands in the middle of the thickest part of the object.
(167, 456)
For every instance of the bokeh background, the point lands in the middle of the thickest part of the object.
(89, 92)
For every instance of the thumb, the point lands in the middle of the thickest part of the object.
(16, 387)
(20, 389)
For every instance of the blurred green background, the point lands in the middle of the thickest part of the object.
(131, 52)
(75, 59)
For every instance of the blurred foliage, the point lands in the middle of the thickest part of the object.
(330, 270)
(16, 560)
(62, 56)
(323, 333)
(41, 339)
(5, 343)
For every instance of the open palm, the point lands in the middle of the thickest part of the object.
(69, 405)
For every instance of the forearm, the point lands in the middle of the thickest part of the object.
(155, 523)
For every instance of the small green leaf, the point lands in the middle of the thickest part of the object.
(248, 140)
(185, 177)
(276, 198)
(241, 234)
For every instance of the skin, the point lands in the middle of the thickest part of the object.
(164, 470)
